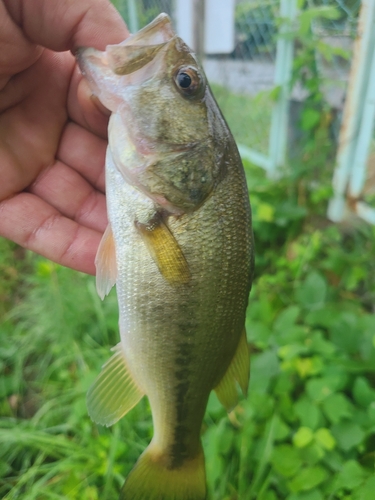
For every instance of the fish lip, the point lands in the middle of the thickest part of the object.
(87, 55)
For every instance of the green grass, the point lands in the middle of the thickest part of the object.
(307, 429)
(248, 117)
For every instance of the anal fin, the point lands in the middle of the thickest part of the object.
(238, 371)
(114, 391)
(165, 251)
(105, 261)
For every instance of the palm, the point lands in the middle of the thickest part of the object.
(52, 147)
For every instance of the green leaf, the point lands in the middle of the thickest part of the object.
(264, 366)
(366, 492)
(310, 118)
(324, 317)
(348, 435)
(351, 475)
(346, 332)
(312, 454)
(264, 212)
(308, 413)
(319, 389)
(307, 16)
(286, 460)
(281, 430)
(269, 495)
(308, 366)
(309, 495)
(363, 394)
(325, 439)
(336, 407)
(287, 318)
(303, 437)
(291, 351)
(320, 345)
(312, 293)
(308, 479)
(258, 333)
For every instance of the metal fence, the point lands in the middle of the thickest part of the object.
(259, 60)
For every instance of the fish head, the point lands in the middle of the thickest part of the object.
(167, 135)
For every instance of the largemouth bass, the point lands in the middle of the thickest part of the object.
(178, 247)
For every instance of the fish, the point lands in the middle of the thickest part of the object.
(179, 248)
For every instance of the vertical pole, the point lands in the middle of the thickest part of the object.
(198, 28)
(358, 173)
(352, 111)
(133, 17)
(283, 72)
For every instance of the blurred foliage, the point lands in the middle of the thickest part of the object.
(236, 109)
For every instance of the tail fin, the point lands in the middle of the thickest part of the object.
(151, 479)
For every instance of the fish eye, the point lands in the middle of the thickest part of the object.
(188, 81)
(184, 80)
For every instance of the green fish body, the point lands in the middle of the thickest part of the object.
(178, 247)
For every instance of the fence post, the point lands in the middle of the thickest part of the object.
(199, 11)
(353, 110)
(283, 72)
(358, 173)
(133, 17)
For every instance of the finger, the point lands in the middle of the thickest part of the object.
(84, 108)
(83, 151)
(66, 24)
(67, 191)
(17, 51)
(33, 224)
(30, 131)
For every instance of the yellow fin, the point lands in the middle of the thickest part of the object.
(238, 371)
(152, 479)
(105, 261)
(114, 392)
(165, 251)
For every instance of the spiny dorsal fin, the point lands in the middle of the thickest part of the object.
(114, 392)
(127, 59)
(238, 371)
(105, 261)
(165, 251)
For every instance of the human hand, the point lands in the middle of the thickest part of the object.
(52, 131)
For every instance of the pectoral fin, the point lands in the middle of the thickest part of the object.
(114, 392)
(165, 251)
(105, 261)
(238, 371)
